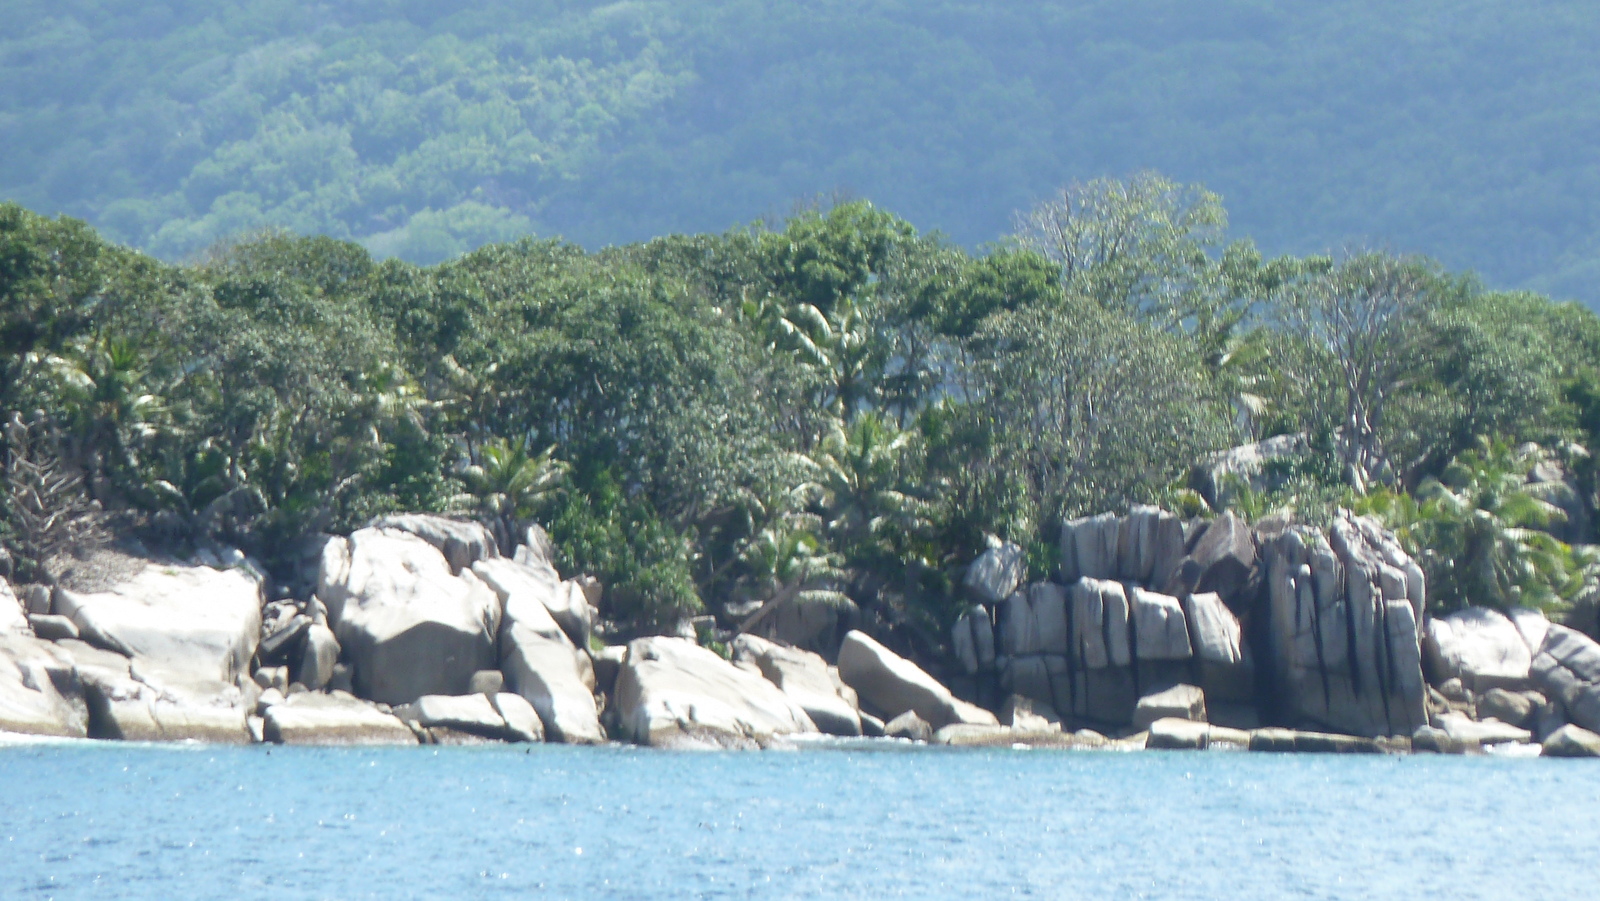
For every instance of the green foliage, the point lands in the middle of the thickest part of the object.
(835, 412)
(1482, 537)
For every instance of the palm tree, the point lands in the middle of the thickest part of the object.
(508, 485)
(859, 481)
(1482, 536)
(790, 567)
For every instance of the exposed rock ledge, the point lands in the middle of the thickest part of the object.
(1169, 635)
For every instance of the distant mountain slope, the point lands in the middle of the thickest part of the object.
(1461, 128)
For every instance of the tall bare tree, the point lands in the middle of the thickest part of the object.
(1361, 323)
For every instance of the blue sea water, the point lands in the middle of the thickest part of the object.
(109, 821)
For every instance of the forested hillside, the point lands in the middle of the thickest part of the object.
(1456, 128)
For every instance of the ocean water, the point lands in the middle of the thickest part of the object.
(108, 821)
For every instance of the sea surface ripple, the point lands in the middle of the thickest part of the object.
(113, 821)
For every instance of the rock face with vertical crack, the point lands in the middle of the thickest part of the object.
(1345, 651)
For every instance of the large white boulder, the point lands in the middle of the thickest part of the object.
(1481, 647)
(1161, 631)
(181, 623)
(804, 677)
(892, 685)
(406, 621)
(671, 692)
(39, 694)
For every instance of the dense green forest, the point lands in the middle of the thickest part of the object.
(839, 411)
(1454, 128)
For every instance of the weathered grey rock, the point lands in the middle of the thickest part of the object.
(1224, 557)
(1435, 740)
(1018, 627)
(268, 698)
(1090, 548)
(1532, 626)
(1223, 738)
(1226, 670)
(312, 718)
(277, 641)
(673, 693)
(892, 685)
(1291, 740)
(996, 573)
(1488, 732)
(152, 716)
(461, 543)
(1161, 630)
(1024, 714)
(1567, 669)
(607, 662)
(191, 623)
(804, 677)
(1247, 463)
(405, 622)
(1178, 734)
(1100, 624)
(1481, 647)
(972, 639)
(541, 665)
(318, 658)
(536, 548)
(1183, 702)
(1512, 708)
(1342, 656)
(273, 677)
(39, 691)
(1572, 741)
(871, 726)
(909, 726)
(35, 598)
(51, 627)
(487, 682)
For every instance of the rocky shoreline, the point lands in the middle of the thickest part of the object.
(1155, 633)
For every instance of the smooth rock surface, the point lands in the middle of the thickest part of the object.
(39, 692)
(191, 623)
(407, 624)
(1489, 732)
(804, 677)
(672, 693)
(1572, 741)
(1184, 702)
(52, 627)
(892, 685)
(996, 573)
(909, 726)
(318, 658)
(1177, 734)
(312, 718)
(1567, 669)
(461, 543)
(1481, 647)
(551, 674)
